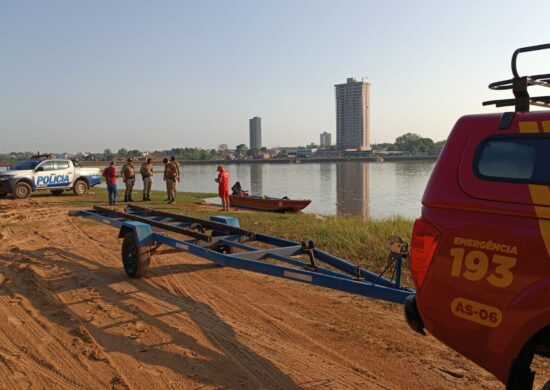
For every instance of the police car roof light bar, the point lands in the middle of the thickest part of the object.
(41, 156)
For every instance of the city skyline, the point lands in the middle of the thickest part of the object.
(93, 75)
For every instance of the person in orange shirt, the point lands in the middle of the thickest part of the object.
(223, 186)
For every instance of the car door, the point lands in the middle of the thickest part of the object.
(45, 175)
(64, 173)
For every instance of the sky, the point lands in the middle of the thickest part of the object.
(153, 75)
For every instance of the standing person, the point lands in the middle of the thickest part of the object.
(165, 162)
(170, 176)
(177, 165)
(128, 174)
(223, 186)
(109, 174)
(146, 171)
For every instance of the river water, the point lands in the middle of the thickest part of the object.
(366, 189)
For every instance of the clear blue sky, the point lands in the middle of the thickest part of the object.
(91, 75)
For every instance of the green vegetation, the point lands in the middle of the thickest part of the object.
(350, 238)
(411, 143)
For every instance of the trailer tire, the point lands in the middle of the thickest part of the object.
(80, 188)
(135, 258)
(22, 190)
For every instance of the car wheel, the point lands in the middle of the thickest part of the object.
(22, 190)
(57, 192)
(80, 188)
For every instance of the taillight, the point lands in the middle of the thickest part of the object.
(424, 242)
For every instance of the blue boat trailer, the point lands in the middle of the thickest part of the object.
(221, 240)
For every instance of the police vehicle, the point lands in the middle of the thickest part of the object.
(43, 173)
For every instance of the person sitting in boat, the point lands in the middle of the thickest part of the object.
(237, 190)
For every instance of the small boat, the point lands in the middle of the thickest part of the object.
(279, 205)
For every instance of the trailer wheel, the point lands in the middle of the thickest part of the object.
(135, 258)
(80, 188)
(22, 190)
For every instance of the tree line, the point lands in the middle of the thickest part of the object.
(409, 142)
(412, 143)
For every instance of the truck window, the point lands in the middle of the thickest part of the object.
(61, 165)
(24, 165)
(47, 166)
(521, 159)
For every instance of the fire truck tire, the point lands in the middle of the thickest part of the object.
(521, 377)
(135, 258)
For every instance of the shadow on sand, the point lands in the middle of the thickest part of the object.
(227, 363)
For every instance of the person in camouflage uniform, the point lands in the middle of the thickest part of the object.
(128, 177)
(146, 171)
(170, 177)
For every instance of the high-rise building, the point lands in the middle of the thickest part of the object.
(256, 133)
(325, 139)
(352, 115)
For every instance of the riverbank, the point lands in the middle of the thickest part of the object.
(262, 161)
(71, 318)
(281, 160)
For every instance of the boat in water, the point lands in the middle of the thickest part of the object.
(278, 205)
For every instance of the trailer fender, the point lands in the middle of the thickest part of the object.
(142, 232)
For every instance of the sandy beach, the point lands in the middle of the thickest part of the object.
(70, 318)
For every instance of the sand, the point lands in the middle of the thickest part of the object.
(70, 318)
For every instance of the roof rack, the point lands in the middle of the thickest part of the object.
(519, 84)
(40, 156)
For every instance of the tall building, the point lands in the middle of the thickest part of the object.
(326, 140)
(352, 115)
(256, 133)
